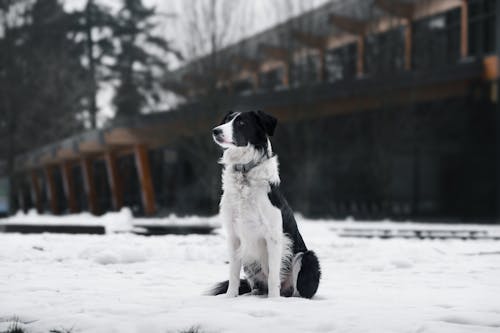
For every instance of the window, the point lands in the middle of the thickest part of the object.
(436, 40)
(385, 52)
(272, 79)
(340, 63)
(305, 70)
(481, 27)
(243, 86)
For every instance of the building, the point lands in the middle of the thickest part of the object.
(388, 108)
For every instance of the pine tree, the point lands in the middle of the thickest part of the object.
(92, 27)
(41, 77)
(140, 65)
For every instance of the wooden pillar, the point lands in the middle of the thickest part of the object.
(115, 181)
(408, 45)
(256, 78)
(360, 63)
(51, 189)
(36, 195)
(145, 179)
(286, 74)
(89, 184)
(69, 186)
(497, 43)
(464, 30)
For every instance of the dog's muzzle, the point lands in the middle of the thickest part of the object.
(217, 134)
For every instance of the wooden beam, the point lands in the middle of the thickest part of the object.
(464, 30)
(349, 24)
(408, 45)
(91, 147)
(115, 181)
(310, 40)
(89, 184)
(274, 52)
(430, 7)
(397, 7)
(245, 63)
(36, 194)
(145, 179)
(51, 189)
(69, 186)
(360, 62)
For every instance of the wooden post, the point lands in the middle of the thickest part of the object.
(51, 189)
(69, 187)
(360, 63)
(114, 181)
(464, 30)
(286, 73)
(408, 45)
(497, 46)
(36, 195)
(146, 182)
(256, 86)
(89, 185)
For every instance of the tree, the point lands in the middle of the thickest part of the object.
(92, 29)
(140, 64)
(208, 26)
(40, 77)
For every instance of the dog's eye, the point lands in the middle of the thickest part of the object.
(241, 123)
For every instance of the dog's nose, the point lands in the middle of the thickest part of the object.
(216, 131)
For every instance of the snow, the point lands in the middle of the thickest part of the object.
(120, 282)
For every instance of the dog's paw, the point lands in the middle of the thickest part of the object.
(273, 293)
(232, 293)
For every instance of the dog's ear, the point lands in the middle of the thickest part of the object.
(267, 121)
(227, 117)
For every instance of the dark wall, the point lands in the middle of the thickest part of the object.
(421, 161)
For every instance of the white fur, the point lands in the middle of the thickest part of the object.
(227, 133)
(296, 266)
(254, 226)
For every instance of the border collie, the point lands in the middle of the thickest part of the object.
(263, 237)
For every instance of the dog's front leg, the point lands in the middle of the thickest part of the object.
(234, 267)
(274, 248)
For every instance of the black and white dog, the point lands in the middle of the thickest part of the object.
(262, 233)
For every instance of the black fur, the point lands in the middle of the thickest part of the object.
(268, 122)
(289, 224)
(309, 275)
(230, 115)
(221, 288)
(251, 127)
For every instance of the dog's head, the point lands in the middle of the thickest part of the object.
(240, 129)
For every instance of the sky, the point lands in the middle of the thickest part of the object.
(260, 15)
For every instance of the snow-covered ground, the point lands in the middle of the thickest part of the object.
(128, 283)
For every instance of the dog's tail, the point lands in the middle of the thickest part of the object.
(221, 288)
(308, 273)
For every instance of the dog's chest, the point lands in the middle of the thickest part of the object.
(246, 197)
